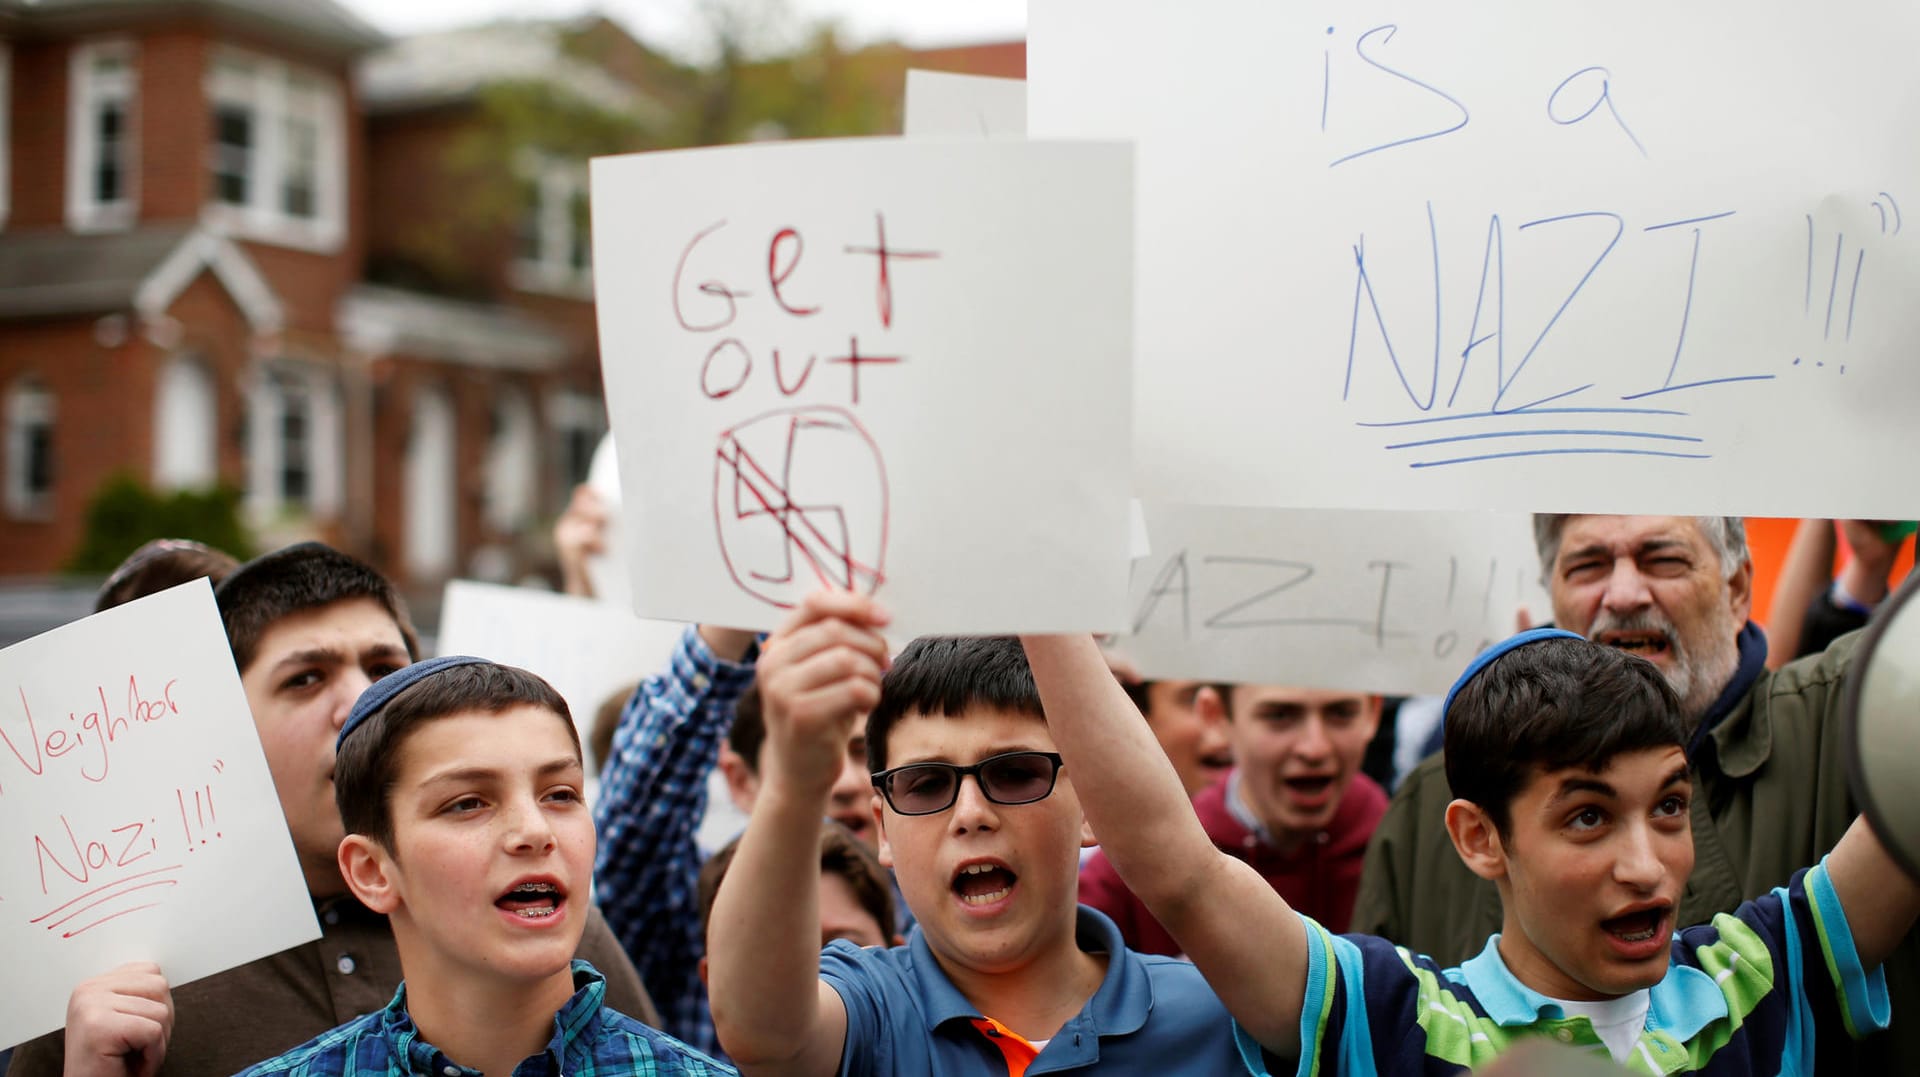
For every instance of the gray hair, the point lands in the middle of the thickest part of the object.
(1726, 534)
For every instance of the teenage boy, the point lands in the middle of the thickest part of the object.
(310, 628)
(461, 787)
(1295, 807)
(1003, 973)
(1583, 826)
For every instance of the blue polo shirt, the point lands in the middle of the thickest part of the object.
(1752, 992)
(1151, 1015)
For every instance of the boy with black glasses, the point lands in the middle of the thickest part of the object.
(1003, 973)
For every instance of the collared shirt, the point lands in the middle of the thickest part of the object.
(1750, 993)
(588, 1040)
(232, 1019)
(1150, 1015)
(653, 793)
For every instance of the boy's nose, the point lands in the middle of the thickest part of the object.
(971, 808)
(1638, 862)
(528, 828)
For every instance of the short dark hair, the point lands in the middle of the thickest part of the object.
(1548, 705)
(749, 729)
(300, 577)
(946, 676)
(840, 854)
(369, 761)
(160, 564)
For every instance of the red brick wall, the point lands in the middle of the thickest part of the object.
(39, 161)
(176, 131)
(429, 208)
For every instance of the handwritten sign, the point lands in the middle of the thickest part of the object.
(586, 649)
(1392, 602)
(900, 367)
(138, 821)
(1512, 255)
(939, 103)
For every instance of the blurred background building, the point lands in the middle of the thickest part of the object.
(268, 274)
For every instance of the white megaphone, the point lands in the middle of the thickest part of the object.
(1881, 712)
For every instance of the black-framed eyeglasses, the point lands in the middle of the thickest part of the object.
(1007, 778)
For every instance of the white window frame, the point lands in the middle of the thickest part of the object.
(556, 184)
(276, 93)
(6, 132)
(266, 458)
(86, 92)
(29, 404)
(570, 413)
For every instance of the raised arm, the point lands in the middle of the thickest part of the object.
(653, 794)
(1251, 947)
(1880, 899)
(818, 676)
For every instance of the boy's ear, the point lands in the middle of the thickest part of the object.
(1476, 839)
(883, 851)
(1087, 840)
(743, 785)
(368, 870)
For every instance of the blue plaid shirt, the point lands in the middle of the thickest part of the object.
(589, 1040)
(653, 793)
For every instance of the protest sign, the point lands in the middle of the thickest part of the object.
(939, 103)
(1389, 602)
(895, 366)
(1638, 257)
(586, 649)
(138, 820)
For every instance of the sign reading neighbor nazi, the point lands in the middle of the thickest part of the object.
(138, 821)
(900, 367)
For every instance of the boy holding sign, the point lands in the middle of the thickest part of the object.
(1003, 973)
(460, 784)
(1573, 797)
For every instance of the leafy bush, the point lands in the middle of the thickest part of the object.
(124, 514)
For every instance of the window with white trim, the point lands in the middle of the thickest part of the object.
(278, 158)
(577, 420)
(30, 417)
(554, 252)
(294, 442)
(102, 154)
(6, 109)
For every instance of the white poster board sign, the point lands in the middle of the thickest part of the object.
(895, 366)
(138, 821)
(1389, 602)
(586, 649)
(939, 103)
(1513, 255)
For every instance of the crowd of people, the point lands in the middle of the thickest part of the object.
(1633, 838)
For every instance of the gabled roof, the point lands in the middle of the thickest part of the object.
(53, 274)
(449, 66)
(318, 25)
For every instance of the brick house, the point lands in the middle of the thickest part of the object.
(178, 225)
(213, 267)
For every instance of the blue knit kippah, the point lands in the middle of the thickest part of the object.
(382, 691)
(1485, 658)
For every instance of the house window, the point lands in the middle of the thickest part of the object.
(278, 155)
(554, 250)
(30, 415)
(6, 108)
(578, 421)
(294, 443)
(186, 421)
(101, 150)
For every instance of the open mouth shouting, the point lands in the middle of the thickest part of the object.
(1641, 933)
(984, 884)
(1652, 645)
(533, 899)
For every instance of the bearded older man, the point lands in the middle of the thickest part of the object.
(1769, 774)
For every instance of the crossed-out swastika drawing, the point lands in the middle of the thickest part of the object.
(800, 488)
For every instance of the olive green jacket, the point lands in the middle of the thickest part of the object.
(1769, 799)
